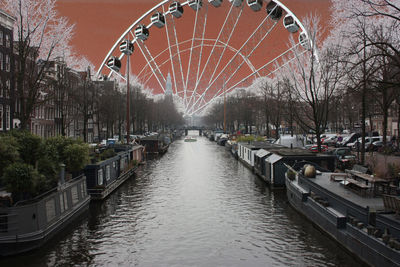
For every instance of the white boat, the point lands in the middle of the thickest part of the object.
(190, 139)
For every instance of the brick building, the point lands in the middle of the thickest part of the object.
(7, 82)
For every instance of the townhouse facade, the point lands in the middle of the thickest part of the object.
(7, 82)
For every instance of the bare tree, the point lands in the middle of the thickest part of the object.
(314, 81)
(39, 33)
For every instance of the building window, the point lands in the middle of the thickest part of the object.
(108, 172)
(1, 117)
(1, 38)
(1, 88)
(8, 63)
(8, 117)
(1, 61)
(100, 177)
(8, 89)
(3, 222)
(8, 41)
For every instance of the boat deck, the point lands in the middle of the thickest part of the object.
(324, 181)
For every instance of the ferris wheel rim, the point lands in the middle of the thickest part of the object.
(162, 3)
(129, 31)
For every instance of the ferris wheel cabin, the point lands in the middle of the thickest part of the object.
(158, 19)
(114, 63)
(126, 47)
(196, 4)
(256, 5)
(304, 41)
(274, 11)
(176, 9)
(236, 3)
(142, 32)
(215, 3)
(290, 24)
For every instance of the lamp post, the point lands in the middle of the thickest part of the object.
(128, 125)
(126, 47)
(224, 106)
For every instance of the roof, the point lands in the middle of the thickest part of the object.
(150, 138)
(259, 145)
(273, 158)
(294, 152)
(262, 153)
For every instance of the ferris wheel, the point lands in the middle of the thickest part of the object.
(200, 50)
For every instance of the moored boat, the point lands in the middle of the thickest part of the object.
(105, 176)
(155, 144)
(27, 225)
(354, 210)
(190, 139)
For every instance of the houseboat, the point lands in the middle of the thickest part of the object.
(105, 176)
(269, 163)
(155, 144)
(355, 209)
(27, 225)
(247, 150)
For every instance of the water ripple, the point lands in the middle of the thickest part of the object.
(195, 206)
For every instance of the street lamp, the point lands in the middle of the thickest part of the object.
(126, 47)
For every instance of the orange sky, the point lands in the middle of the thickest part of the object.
(99, 23)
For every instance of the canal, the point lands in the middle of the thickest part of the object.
(195, 206)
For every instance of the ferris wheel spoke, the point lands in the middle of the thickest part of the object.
(176, 62)
(217, 52)
(249, 46)
(259, 72)
(220, 94)
(227, 33)
(265, 69)
(196, 49)
(239, 62)
(153, 65)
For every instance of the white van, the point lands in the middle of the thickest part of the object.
(291, 141)
(368, 141)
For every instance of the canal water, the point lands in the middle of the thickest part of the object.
(194, 206)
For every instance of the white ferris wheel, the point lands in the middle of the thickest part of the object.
(205, 49)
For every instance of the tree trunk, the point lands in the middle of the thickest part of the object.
(398, 124)
(384, 126)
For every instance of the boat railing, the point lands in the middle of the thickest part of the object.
(42, 211)
(391, 203)
(8, 222)
(47, 193)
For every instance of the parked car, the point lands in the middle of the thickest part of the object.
(341, 151)
(346, 162)
(368, 143)
(330, 140)
(314, 148)
(344, 158)
(375, 146)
